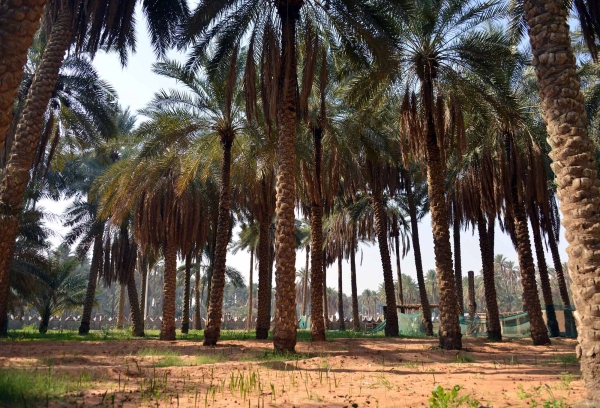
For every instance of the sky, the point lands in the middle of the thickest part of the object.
(136, 85)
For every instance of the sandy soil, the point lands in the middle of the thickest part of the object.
(340, 373)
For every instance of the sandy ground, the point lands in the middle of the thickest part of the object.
(341, 373)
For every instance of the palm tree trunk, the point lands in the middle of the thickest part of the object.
(250, 286)
(167, 327)
(29, 129)
(143, 287)
(121, 310)
(458, 264)
(531, 300)
(88, 305)
(399, 271)
(318, 309)
(263, 320)
(137, 320)
(450, 336)
(45, 321)
(574, 164)
(198, 300)
(185, 320)
(551, 321)
(19, 20)
(215, 311)
(284, 333)
(570, 330)
(340, 295)
(305, 283)
(414, 226)
(325, 315)
(391, 318)
(355, 317)
(494, 328)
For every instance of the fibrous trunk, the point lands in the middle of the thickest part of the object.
(492, 314)
(324, 283)
(121, 311)
(531, 300)
(317, 287)
(450, 336)
(570, 330)
(185, 319)
(284, 332)
(340, 295)
(414, 227)
(198, 299)
(167, 327)
(143, 288)
(391, 318)
(305, 282)
(29, 130)
(399, 271)
(137, 320)
(215, 310)
(250, 288)
(263, 319)
(355, 317)
(90, 294)
(551, 321)
(574, 163)
(458, 264)
(19, 20)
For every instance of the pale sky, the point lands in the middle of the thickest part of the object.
(136, 85)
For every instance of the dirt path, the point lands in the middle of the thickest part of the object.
(340, 373)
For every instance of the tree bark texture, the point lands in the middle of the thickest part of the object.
(494, 329)
(263, 322)
(215, 310)
(121, 312)
(570, 329)
(531, 300)
(28, 133)
(167, 327)
(19, 20)
(325, 315)
(414, 227)
(90, 294)
(305, 282)
(472, 303)
(574, 164)
(318, 309)
(250, 288)
(551, 321)
(458, 264)
(198, 300)
(137, 319)
(143, 288)
(450, 335)
(355, 316)
(391, 318)
(399, 272)
(284, 332)
(185, 319)
(340, 295)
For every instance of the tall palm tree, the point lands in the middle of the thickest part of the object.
(101, 27)
(574, 165)
(274, 25)
(439, 37)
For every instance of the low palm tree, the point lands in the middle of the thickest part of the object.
(59, 287)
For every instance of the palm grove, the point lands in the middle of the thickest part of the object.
(358, 115)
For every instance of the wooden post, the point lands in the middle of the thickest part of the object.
(472, 304)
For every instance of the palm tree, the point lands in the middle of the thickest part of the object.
(573, 163)
(439, 37)
(105, 29)
(226, 23)
(430, 279)
(58, 287)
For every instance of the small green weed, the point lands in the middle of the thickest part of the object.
(169, 361)
(451, 399)
(209, 359)
(162, 352)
